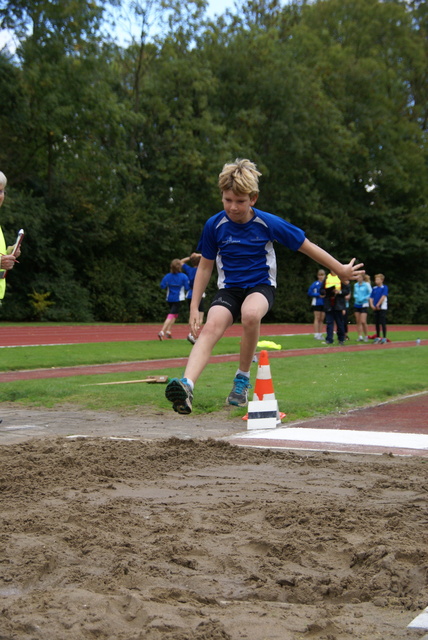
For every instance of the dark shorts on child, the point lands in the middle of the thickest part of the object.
(317, 307)
(201, 307)
(174, 307)
(233, 298)
(361, 309)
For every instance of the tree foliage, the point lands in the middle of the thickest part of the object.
(112, 152)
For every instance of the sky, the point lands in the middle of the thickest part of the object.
(219, 6)
(215, 7)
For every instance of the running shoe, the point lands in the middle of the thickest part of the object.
(169, 335)
(180, 394)
(161, 335)
(376, 341)
(239, 394)
(383, 341)
(191, 339)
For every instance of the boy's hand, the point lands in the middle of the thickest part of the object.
(194, 322)
(351, 271)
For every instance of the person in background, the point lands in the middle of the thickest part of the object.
(346, 310)
(7, 260)
(190, 271)
(361, 292)
(317, 304)
(176, 284)
(334, 292)
(379, 304)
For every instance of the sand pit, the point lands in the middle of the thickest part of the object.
(186, 539)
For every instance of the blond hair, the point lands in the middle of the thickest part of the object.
(3, 179)
(380, 275)
(241, 177)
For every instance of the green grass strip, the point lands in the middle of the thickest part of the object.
(305, 386)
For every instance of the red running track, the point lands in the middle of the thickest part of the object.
(28, 335)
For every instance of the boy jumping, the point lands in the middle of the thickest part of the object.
(240, 240)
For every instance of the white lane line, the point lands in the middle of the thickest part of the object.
(338, 436)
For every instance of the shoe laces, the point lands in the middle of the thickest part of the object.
(241, 383)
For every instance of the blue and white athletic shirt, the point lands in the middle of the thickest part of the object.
(176, 285)
(190, 273)
(244, 253)
(377, 293)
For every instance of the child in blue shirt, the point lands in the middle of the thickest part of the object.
(239, 240)
(379, 304)
(177, 285)
(317, 304)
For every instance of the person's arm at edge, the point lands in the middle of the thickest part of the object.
(202, 278)
(344, 271)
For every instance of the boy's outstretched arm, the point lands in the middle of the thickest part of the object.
(344, 271)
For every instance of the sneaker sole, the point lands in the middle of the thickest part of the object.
(236, 403)
(178, 396)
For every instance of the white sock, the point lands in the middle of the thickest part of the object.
(243, 373)
(189, 382)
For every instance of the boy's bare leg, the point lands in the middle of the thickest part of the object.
(254, 308)
(218, 320)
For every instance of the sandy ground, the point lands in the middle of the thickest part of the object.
(180, 536)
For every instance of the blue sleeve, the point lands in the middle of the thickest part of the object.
(164, 282)
(207, 244)
(312, 291)
(186, 282)
(283, 231)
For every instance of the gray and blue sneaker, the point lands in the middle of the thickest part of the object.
(239, 394)
(180, 394)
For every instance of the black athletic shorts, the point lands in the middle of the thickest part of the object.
(233, 298)
(361, 309)
(174, 308)
(201, 307)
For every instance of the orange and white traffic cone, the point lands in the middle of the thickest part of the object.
(264, 385)
(263, 390)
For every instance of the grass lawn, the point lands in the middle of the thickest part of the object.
(305, 386)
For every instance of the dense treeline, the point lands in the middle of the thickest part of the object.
(113, 152)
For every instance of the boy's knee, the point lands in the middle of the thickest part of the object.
(213, 330)
(250, 319)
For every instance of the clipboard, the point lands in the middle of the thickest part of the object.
(18, 241)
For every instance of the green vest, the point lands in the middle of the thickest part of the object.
(2, 271)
